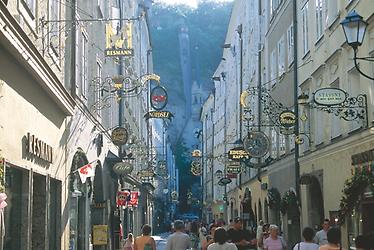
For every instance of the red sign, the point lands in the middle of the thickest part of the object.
(134, 199)
(122, 197)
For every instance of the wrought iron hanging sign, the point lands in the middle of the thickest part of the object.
(146, 173)
(224, 181)
(119, 136)
(257, 144)
(118, 42)
(121, 168)
(330, 96)
(159, 97)
(196, 153)
(287, 119)
(174, 196)
(196, 168)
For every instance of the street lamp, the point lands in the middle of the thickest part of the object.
(354, 28)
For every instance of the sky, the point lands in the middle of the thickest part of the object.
(191, 3)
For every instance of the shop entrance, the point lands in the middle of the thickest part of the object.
(368, 216)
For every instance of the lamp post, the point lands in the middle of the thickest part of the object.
(354, 28)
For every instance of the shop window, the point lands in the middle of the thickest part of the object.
(54, 231)
(305, 28)
(354, 224)
(17, 213)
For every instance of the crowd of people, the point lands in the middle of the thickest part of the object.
(219, 236)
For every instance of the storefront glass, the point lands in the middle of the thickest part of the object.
(355, 227)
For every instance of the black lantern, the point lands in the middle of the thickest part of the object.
(354, 29)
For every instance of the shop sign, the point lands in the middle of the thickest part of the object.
(231, 176)
(234, 169)
(363, 157)
(237, 154)
(196, 153)
(330, 96)
(119, 43)
(159, 97)
(287, 119)
(174, 196)
(122, 197)
(39, 148)
(134, 199)
(148, 77)
(99, 204)
(121, 168)
(224, 181)
(146, 173)
(119, 136)
(100, 235)
(158, 115)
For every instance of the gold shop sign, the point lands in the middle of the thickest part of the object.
(119, 43)
(38, 148)
(237, 154)
(158, 115)
(100, 235)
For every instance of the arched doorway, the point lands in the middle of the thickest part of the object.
(79, 196)
(315, 200)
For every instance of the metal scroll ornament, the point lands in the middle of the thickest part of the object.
(257, 144)
(159, 97)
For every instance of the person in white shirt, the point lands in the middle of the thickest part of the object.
(307, 244)
(321, 236)
(220, 241)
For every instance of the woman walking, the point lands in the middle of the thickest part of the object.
(145, 242)
(129, 242)
(220, 241)
(307, 244)
(274, 241)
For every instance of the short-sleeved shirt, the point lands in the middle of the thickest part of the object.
(225, 246)
(306, 246)
(321, 238)
(271, 244)
(178, 241)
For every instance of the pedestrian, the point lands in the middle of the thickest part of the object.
(210, 237)
(321, 236)
(265, 234)
(220, 241)
(129, 242)
(237, 235)
(145, 242)
(274, 241)
(259, 233)
(178, 240)
(194, 236)
(307, 244)
(333, 240)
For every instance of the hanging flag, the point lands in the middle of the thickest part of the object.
(122, 197)
(134, 199)
(86, 171)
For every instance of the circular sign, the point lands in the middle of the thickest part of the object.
(329, 96)
(196, 153)
(287, 119)
(121, 168)
(119, 136)
(257, 144)
(159, 97)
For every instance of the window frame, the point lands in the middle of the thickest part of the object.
(305, 27)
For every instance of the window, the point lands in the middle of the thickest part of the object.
(274, 142)
(304, 13)
(281, 57)
(282, 144)
(290, 44)
(84, 65)
(319, 18)
(273, 64)
(31, 4)
(331, 11)
(97, 87)
(54, 30)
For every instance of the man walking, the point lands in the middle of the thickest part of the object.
(321, 236)
(178, 240)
